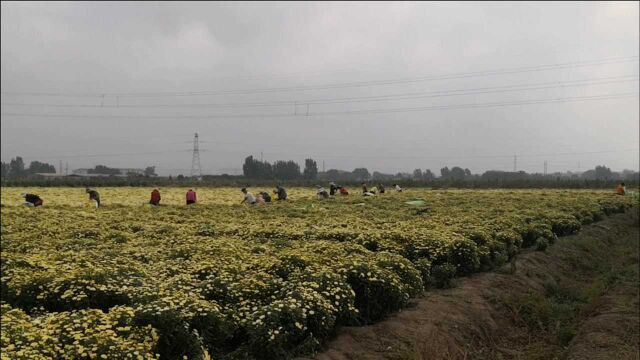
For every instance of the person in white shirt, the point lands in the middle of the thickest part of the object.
(248, 197)
(398, 188)
(321, 193)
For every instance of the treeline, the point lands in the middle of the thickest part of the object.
(288, 173)
(280, 170)
(16, 168)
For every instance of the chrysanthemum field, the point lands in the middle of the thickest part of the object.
(231, 281)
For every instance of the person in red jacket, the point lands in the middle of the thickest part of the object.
(155, 197)
(191, 197)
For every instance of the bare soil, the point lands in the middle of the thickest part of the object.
(512, 313)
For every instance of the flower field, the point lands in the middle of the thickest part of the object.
(234, 281)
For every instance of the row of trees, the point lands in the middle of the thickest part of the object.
(289, 170)
(16, 168)
(281, 169)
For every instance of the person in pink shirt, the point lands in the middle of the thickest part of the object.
(191, 197)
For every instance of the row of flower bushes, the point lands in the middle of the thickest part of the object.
(260, 282)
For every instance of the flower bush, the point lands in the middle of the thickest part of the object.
(233, 281)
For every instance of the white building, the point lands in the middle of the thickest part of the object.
(122, 172)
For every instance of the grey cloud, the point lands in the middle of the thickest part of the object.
(174, 47)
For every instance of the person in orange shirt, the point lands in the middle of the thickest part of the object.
(621, 190)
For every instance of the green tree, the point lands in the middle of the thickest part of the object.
(5, 169)
(445, 173)
(428, 175)
(16, 167)
(38, 167)
(256, 169)
(603, 173)
(150, 171)
(310, 169)
(286, 170)
(457, 173)
(361, 174)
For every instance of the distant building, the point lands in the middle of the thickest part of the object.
(81, 172)
(127, 172)
(51, 175)
(122, 172)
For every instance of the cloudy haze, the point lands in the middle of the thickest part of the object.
(388, 86)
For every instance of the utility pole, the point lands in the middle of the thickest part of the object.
(66, 169)
(196, 170)
(60, 168)
(261, 156)
(545, 168)
(322, 165)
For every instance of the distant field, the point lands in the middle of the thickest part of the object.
(235, 281)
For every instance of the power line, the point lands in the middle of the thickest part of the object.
(103, 155)
(352, 112)
(329, 156)
(453, 157)
(482, 105)
(403, 96)
(503, 71)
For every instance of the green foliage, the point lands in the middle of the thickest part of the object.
(464, 255)
(310, 169)
(542, 244)
(442, 275)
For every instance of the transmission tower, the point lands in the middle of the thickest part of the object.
(196, 170)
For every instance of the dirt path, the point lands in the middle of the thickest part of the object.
(579, 300)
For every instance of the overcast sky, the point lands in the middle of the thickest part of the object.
(388, 86)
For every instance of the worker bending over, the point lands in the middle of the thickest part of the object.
(248, 197)
(31, 200)
(94, 195)
(281, 192)
(191, 197)
(321, 193)
(333, 188)
(155, 197)
(265, 196)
